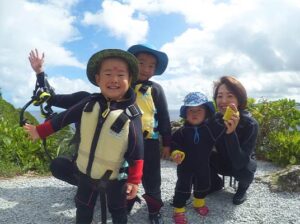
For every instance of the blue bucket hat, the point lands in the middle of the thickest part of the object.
(194, 99)
(161, 57)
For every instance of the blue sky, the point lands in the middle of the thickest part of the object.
(257, 41)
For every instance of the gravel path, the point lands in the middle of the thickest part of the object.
(25, 200)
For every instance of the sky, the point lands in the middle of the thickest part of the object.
(257, 41)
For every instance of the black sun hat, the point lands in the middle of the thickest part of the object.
(97, 58)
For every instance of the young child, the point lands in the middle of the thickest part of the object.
(110, 136)
(191, 148)
(155, 120)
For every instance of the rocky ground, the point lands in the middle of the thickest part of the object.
(45, 200)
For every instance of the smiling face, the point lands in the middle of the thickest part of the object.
(113, 78)
(147, 65)
(195, 115)
(225, 97)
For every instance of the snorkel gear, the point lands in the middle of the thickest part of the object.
(41, 95)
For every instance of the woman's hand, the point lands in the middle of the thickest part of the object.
(233, 121)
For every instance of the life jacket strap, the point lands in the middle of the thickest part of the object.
(130, 112)
(143, 89)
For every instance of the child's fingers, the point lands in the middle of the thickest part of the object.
(131, 191)
(129, 188)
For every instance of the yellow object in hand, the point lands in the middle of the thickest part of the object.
(179, 153)
(228, 113)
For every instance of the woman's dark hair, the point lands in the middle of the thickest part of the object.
(235, 87)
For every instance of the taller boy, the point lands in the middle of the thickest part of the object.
(155, 121)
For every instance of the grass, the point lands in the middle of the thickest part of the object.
(9, 170)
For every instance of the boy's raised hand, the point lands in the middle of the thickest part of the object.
(132, 190)
(36, 62)
(31, 130)
(232, 123)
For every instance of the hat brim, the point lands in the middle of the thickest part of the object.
(162, 58)
(97, 58)
(208, 104)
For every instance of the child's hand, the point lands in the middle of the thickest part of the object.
(232, 122)
(36, 62)
(132, 190)
(178, 156)
(166, 152)
(31, 130)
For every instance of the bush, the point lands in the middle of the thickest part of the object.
(17, 152)
(279, 123)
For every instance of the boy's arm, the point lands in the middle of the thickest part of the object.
(163, 118)
(72, 115)
(135, 156)
(59, 100)
(135, 153)
(67, 100)
(177, 151)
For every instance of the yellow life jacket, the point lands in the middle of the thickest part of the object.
(146, 104)
(108, 153)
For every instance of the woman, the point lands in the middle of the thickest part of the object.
(231, 159)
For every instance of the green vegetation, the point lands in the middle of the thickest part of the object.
(278, 140)
(18, 154)
(279, 135)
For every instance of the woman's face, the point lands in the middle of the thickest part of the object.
(195, 115)
(224, 98)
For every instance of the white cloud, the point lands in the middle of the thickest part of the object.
(120, 20)
(234, 37)
(261, 50)
(26, 25)
(63, 85)
(176, 89)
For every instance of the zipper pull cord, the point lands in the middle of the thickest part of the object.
(106, 112)
(196, 136)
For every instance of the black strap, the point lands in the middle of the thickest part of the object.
(119, 123)
(143, 89)
(103, 206)
(132, 111)
(102, 185)
(129, 113)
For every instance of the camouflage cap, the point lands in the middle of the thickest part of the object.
(97, 58)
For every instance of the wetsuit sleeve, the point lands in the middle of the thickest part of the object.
(62, 100)
(177, 140)
(67, 100)
(241, 148)
(41, 79)
(163, 118)
(135, 152)
(72, 115)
